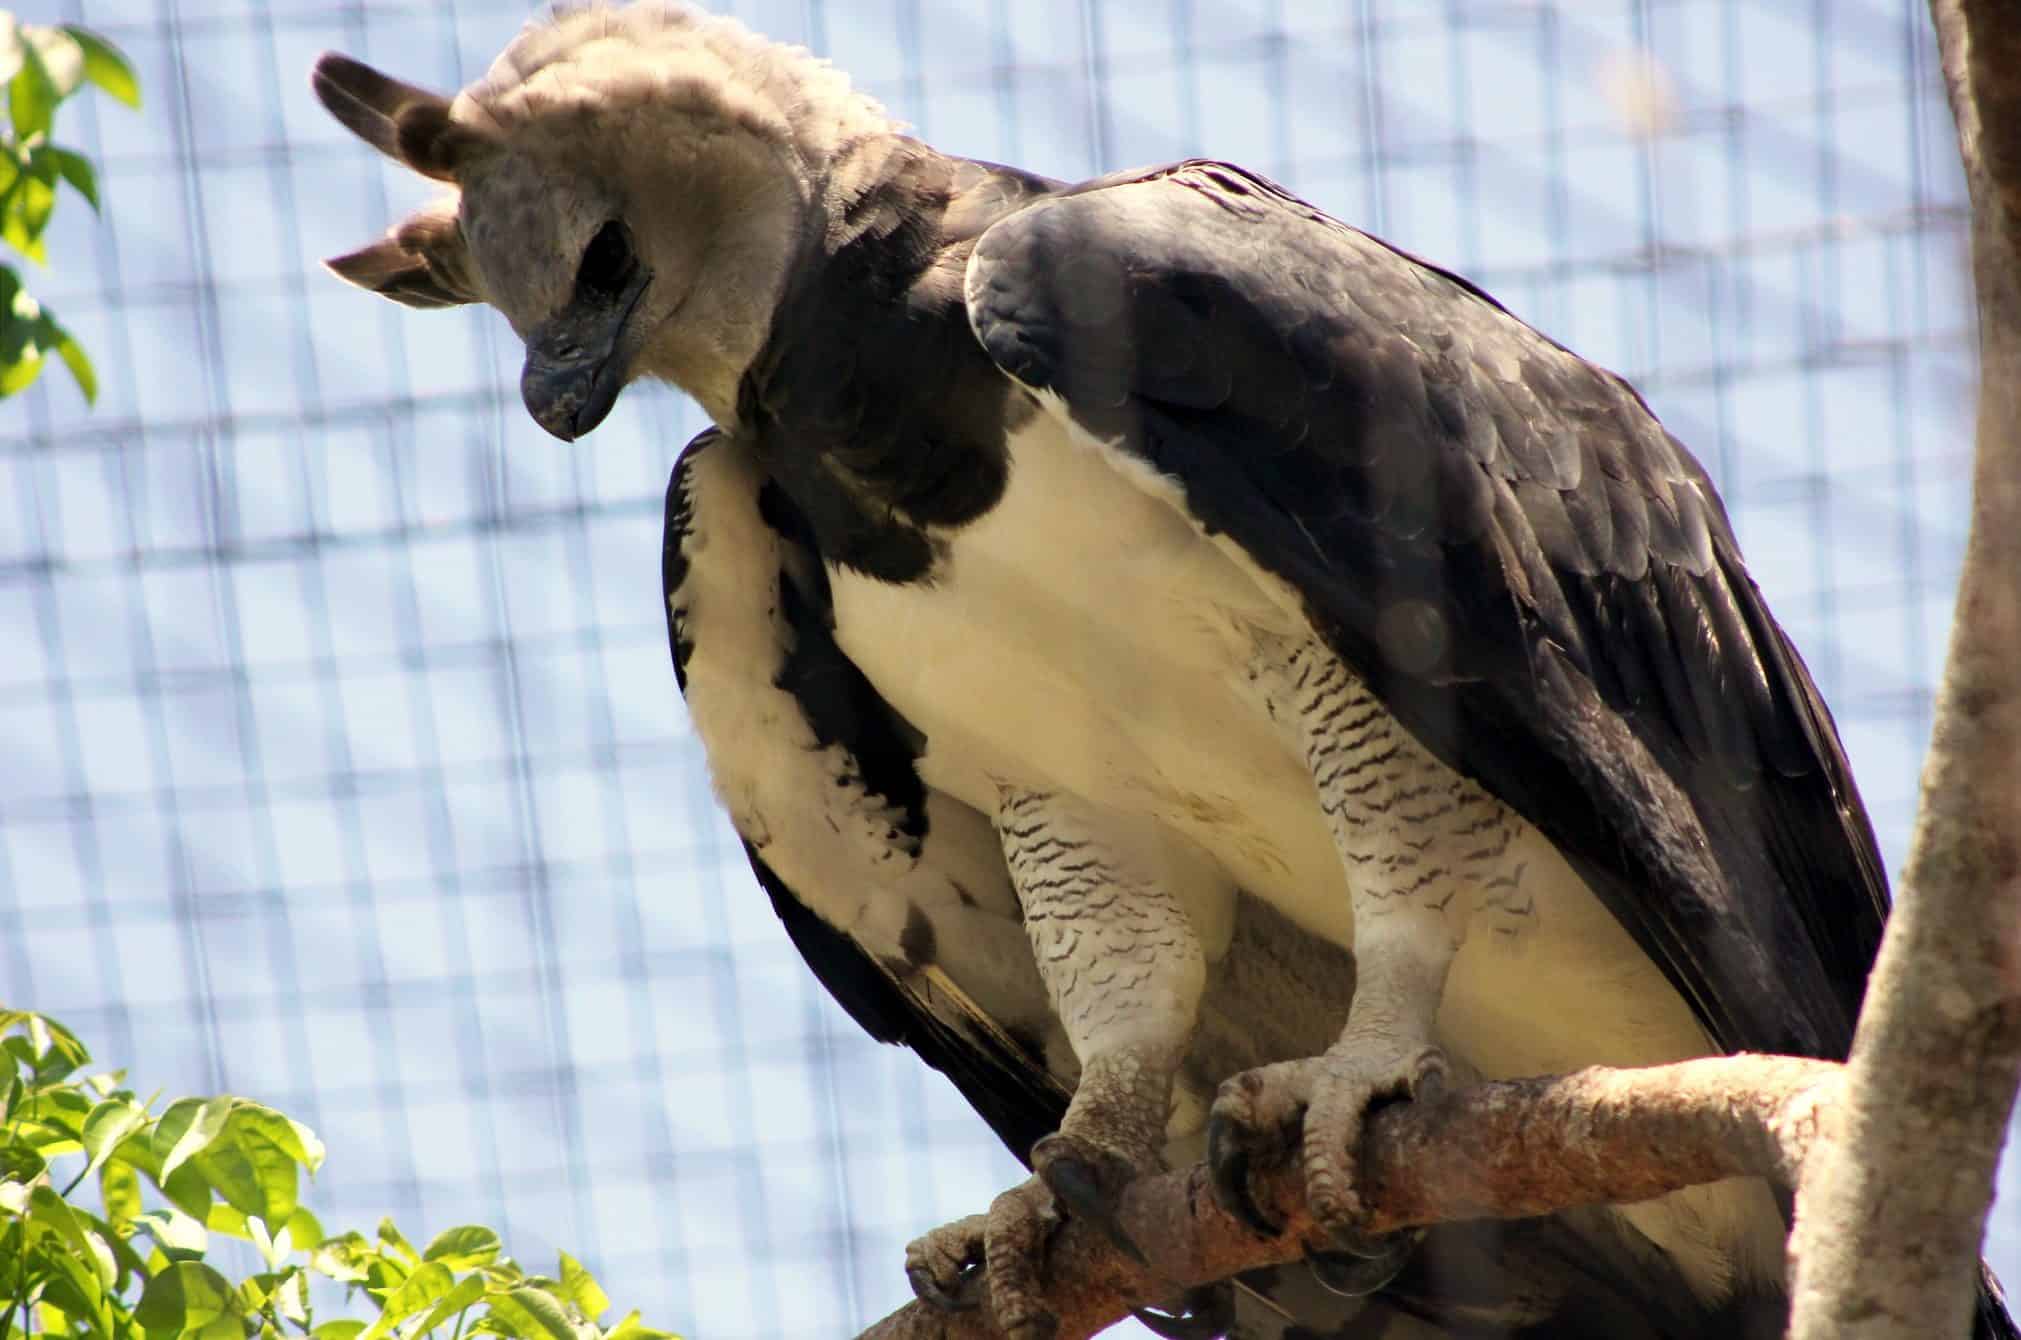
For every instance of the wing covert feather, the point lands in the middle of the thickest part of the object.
(1006, 1081)
(1383, 435)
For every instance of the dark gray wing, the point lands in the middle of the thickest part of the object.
(1534, 576)
(996, 1064)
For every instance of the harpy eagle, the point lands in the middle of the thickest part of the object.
(1181, 664)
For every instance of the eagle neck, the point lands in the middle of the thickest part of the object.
(871, 403)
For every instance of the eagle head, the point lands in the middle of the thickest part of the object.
(631, 186)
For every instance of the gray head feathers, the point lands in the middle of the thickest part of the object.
(631, 184)
(660, 56)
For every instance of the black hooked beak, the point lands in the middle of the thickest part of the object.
(578, 359)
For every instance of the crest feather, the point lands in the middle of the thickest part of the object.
(594, 59)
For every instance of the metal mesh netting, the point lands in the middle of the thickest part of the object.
(343, 764)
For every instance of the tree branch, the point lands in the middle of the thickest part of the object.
(1891, 1212)
(1510, 1149)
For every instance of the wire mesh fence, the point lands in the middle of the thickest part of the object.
(343, 764)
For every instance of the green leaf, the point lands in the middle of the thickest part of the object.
(231, 1222)
(73, 167)
(531, 1313)
(421, 1290)
(22, 1050)
(284, 1290)
(61, 55)
(187, 1128)
(32, 96)
(46, 1048)
(285, 1134)
(73, 1285)
(632, 1329)
(391, 1236)
(578, 1286)
(107, 1084)
(100, 1250)
(291, 1298)
(229, 1168)
(466, 1294)
(62, 1053)
(504, 1271)
(119, 1192)
(273, 1250)
(48, 1210)
(21, 1163)
(187, 1190)
(463, 1248)
(105, 66)
(138, 1150)
(10, 47)
(47, 1136)
(303, 1229)
(73, 356)
(180, 1237)
(339, 1330)
(20, 364)
(186, 1298)
(107, 1126)
(64, 1107)
(128, 1260)
(27, 335)
(84, 1259)
(346, 1259)
(29, 206)
(252, 1173)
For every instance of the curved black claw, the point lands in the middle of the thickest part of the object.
(1207, 1312)
(1228, 1166)
(1364, 1265)
(1074, 1181)
(966, 1295)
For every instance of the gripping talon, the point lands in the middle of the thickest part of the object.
(962, 1298)
(945, 1266)
(1080, 1189)
(1228, 1165)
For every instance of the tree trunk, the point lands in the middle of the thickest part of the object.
(1892, 1209)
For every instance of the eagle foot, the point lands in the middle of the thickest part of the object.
(1006, 1246)
(1315, 1108)
(945, 1266)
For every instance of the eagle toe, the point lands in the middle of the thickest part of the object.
(1088, 1182)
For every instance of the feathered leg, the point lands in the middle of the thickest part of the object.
(1125, 970)
(1425, 851)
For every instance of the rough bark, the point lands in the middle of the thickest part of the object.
(1892, 1209)
(1509, 1149)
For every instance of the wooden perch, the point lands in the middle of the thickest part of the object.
(1510, 1149)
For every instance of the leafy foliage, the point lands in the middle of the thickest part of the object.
(169, 1182)
(41, 67)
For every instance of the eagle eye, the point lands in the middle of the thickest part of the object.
(607, 262)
